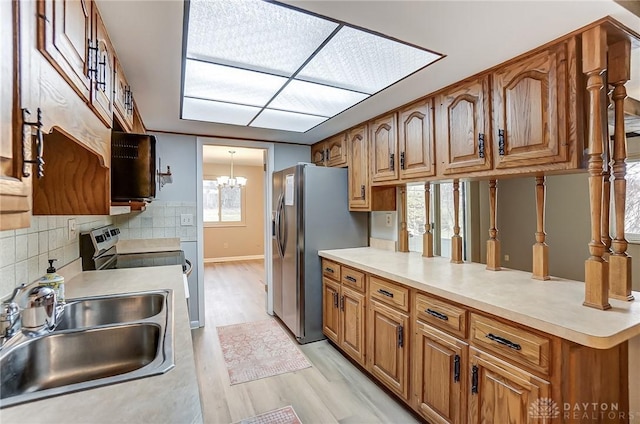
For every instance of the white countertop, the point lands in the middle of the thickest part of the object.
(147, 245)
(172, 397)
(554, 306)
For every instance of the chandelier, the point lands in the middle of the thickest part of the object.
(231, 181)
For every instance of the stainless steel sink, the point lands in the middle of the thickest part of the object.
(105, 340)
(103, 310)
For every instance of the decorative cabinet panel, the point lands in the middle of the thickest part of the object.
(122, 98)
(352, 324)
(359, 184)
(330, 152)
(440, 363)
(502, 393)
(102, 86)
(531, 108)
(416, 140)
(318, 152)
(64, 34)
(463, 128)
(388, 347)
(15, 187)
(331, 309)
(384, 142)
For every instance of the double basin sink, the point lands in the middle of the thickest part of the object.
(98, 341)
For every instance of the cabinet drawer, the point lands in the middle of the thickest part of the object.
(352, 278)
(390, 293)
(512, 342)
(442, 315)
(330, 269)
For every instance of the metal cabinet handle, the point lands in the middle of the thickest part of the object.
(481, 145)
(474, 379)
(363, 191)
(326, 155)
(392, 159)
(400, 334)
(329, 269)
(501, 142)
(437, 314)
(402, 160)
(385, 293)
(39, 160)
(350, 278)
(101, 79)
(342, 303)
(92, 62)
(503, 341)
(456, 369)
(335, 300)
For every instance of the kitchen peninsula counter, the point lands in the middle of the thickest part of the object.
(172, 397)
(553, 306)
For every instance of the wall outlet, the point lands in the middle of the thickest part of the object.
(506, 258)
(387, 220)
(186, 219)
(72, 229)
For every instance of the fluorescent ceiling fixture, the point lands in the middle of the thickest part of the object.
(283, 68)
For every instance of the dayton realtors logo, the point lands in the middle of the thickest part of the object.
(544, 408)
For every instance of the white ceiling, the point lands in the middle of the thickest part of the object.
(475, 35)
(242, 156)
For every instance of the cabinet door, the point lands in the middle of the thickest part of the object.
(388, 350)
(63, 36)
(416, 138)
(102, 86)
(358, 157)
(352, 318)
(122, 98)
(384, 139)
(336, 150)
(318, 152)
(502, 393)
(440, 363)
(15, 189)
(530, 100)
(331, 309)
(463, 130)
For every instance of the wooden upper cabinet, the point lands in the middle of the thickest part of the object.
(530, 108)
(102, 86)
(317, 153)
(122, 98)
(416, 140)
(64, 31)
(502, 393)
(384, 140)
(463, 128)
(336, 150)
(359, 185)
(15, 188)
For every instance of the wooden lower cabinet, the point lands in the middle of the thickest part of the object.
(503, 393)
(388, 347)
(330, 309)
(439, 370)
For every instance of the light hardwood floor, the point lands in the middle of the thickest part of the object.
(332, 391)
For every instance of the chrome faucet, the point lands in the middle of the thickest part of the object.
(10, 316)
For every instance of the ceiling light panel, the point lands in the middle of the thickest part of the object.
(226, 113)
(363, 61)
(255, 34)
(227, 84)
(315, 99)
(288, 121)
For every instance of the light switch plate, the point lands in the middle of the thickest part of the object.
(186, 219)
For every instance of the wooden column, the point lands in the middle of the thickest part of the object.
(493, 244)
(606, 198)
(594, 51)
(403, 239)
(427, 238)
(540, 248)
(456, 240)
(619, 261)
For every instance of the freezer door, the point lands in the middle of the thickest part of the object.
(291, 313)
(276, 255)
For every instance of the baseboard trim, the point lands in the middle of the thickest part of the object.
(233, 258)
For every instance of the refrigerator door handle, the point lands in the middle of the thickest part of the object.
(283, 241)
(278, 226)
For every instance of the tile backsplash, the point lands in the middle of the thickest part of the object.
(160, 219)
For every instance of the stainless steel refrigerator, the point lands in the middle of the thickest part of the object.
(311, 213)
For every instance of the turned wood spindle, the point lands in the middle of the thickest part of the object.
(594, 47)
(427, 238)
(403, 245)
(606, 199)
(540, 248)
(619, 261)
(456, 240)
(493, 244)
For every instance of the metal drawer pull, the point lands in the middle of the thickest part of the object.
(350, 278)
(481, 145)
(437, 314)
(503, 341)
(456, 368)
(329, 270)
(474, 379)
(342, 303)
(385, 293)
(400, 334)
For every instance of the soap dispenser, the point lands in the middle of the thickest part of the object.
(53, 280)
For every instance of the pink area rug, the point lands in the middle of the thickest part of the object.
(284, 415)
(257, 350)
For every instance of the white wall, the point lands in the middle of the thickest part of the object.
(286, 155)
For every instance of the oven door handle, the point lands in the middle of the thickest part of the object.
(189, 267)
